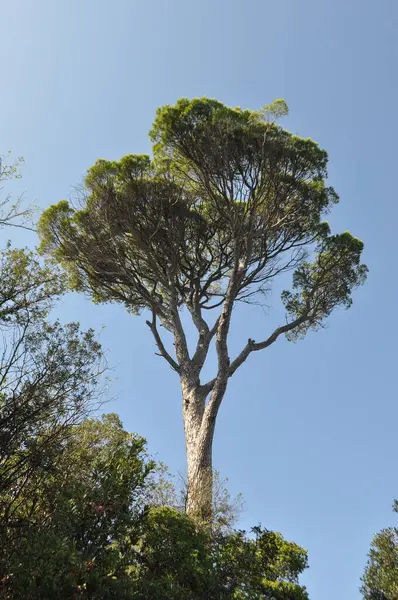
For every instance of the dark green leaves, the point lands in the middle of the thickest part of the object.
(75, 521)
(380, 580)
(81, 527)
(326, 282)
(28, 288)
(228, 188)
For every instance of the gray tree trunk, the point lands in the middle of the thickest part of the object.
(199, 432)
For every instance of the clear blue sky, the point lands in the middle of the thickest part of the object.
(308, 431)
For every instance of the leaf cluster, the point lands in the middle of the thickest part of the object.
(229, 197)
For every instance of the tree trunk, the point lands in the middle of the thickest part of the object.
(200, 479)
(198, 442)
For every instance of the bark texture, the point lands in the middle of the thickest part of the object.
(198, 442)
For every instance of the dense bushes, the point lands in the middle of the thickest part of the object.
(83, 526)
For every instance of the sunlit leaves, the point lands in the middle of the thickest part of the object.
(227, 187)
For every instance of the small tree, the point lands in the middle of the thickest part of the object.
(162, 490)
(229, 202)
(48, 372)
(380, 580)
(178, 560)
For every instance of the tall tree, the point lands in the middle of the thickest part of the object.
(380, 580)
(230, 201)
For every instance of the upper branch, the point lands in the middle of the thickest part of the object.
(205, 333)
(252, 346)
(163, 352)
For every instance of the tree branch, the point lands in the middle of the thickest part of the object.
(252, 346)
(180, 339)
(219, 385)
(163, 352)
(205, 335)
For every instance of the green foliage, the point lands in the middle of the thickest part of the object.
(174, 560)
(28, 289)
(275, 110)
(46, 384)
(48, 372)
(179, 561)
(325, 283)
(228, 188)
(263, 565)
(12, 213)
(48, 381)
(77, 515)
(164, 491)
(82, 528)
(380, 580)
(10, 171)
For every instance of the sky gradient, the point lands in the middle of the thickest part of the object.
(307, 431)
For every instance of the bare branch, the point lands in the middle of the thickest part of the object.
(252, 346)
(163, 352)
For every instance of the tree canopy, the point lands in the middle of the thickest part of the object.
(225, 190)
(228, 201)
(380, 579)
